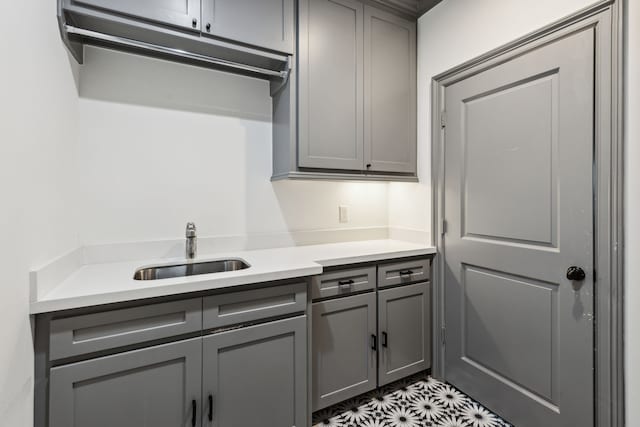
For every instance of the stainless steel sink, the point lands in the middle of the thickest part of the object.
(189, 269)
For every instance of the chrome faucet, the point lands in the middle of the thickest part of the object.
(191, 246)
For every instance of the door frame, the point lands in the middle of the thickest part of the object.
(607, 17)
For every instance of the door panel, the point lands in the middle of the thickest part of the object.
(264, 23)
(256, 376)
(404, 331)
(152, 387)
(331, 84)
(344, 359)
(527, 163)
(518, 204)
(390, 92)
(179, 13)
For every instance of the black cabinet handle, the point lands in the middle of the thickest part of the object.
(374, 342)
(194, 407)
(210, 407)
(406, 272)
(384, 339)
(345, 282)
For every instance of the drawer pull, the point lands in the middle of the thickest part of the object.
(346, 282)
(406, 272)
(384, 339)
(374, 342)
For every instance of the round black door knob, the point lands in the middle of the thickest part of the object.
(575, 273)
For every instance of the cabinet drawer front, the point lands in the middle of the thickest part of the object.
(73, 336)
(248, 306)
(404, 272)
(343, 282)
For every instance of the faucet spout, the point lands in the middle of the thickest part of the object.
(191, 246)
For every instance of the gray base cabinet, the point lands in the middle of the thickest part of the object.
(256, 376)
(236, 359)
(404, 328)
(367, 333)
(344, 348)
(153, 387)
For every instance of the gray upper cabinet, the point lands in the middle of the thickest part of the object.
(331, 77)
(404, 326)
(390, 92)
(264, 23)
(354, 92)
(344, 349)
(178, 13)
(256, 376)
(154, 387)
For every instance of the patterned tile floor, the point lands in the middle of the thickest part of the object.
(415, 402)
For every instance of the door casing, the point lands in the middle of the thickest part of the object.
(607, 17)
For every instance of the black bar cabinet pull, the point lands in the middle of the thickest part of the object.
(194, 406)
(374, 343)
(345, 282)
(210, 407)
(406, 272)
(384, 339)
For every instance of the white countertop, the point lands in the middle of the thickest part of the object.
(96, 284)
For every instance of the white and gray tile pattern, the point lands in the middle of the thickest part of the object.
(415, 402)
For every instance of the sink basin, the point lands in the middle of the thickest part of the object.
(189, 269)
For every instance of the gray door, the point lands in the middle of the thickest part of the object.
(154, 387)
(330, 95)
(343, 348)
(518, 205)
(256, 376)
(179, 13)
(263, 23)
(390, 92)
(404, 326)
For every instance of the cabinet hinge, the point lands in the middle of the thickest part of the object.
(443, 119)
(442, 335)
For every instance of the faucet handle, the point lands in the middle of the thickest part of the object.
(191, 229)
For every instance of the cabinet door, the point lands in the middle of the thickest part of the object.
(343, 349)
(256, 376)
(330, 98)
(158, 386)
(405, 331)
(390, 92)
(263, 23)
(179, 13)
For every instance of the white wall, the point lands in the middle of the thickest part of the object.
(632, 215)
(37, 126)
(161, 143)
(458, 30)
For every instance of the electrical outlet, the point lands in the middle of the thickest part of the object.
(343, 213)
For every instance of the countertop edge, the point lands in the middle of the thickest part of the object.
(314, 267)
(82, 301)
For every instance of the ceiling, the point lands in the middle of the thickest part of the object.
(410, 7)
